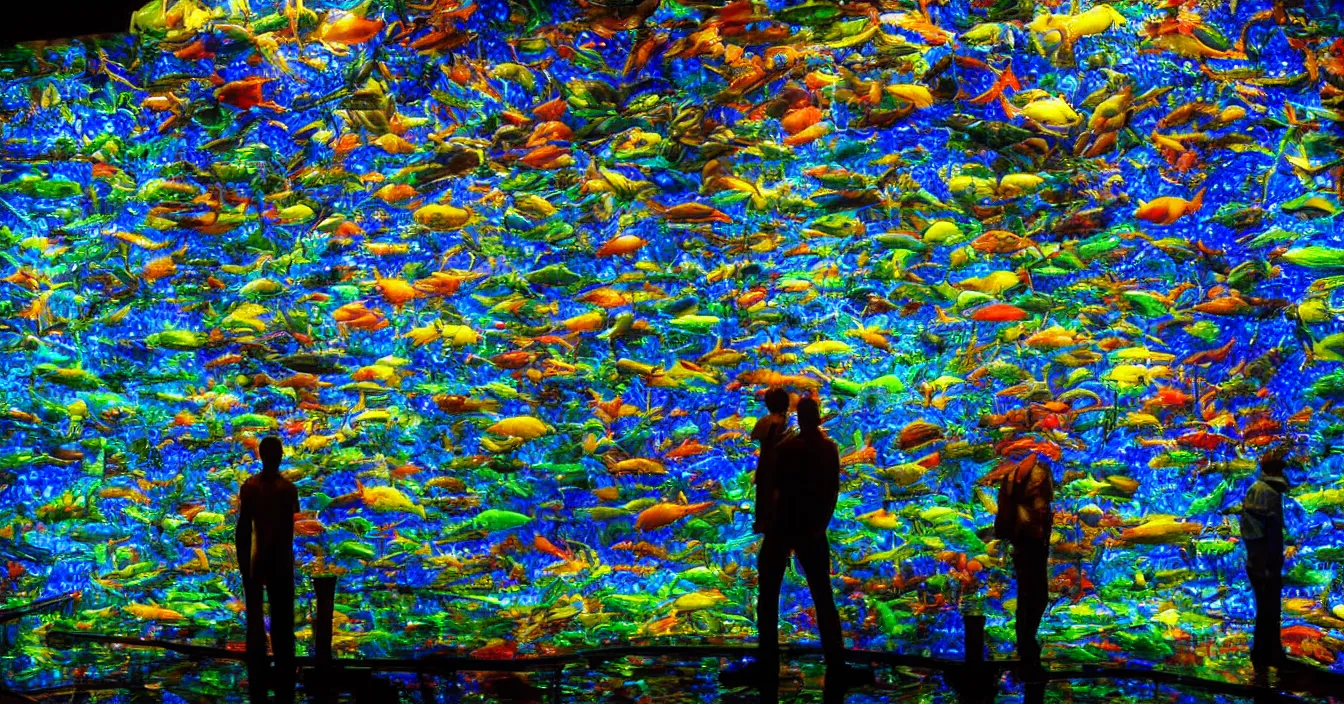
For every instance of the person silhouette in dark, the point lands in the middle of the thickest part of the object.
(769, 431)
(1025, 519)
(264, 538)
(808, 486)
(1262, 532)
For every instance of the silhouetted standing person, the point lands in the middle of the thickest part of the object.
(1262, 529)
(264, 537)
(808, 483)
(1024, 520)
(769, 431)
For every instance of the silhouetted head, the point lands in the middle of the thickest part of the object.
(1272, 465)
(271, 452)
(809, 414)
(777, 400)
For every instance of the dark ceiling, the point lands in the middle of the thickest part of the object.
(25, 20)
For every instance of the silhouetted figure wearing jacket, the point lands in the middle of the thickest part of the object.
(808, 483)
(264, 537)
(1262, 529)
(770, 431)
(1024, 520)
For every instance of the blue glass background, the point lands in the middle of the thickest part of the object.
(119, 479)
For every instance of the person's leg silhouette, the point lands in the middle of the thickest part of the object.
(814, 557)
(1260, 637)
(771, 563)
(280, 593)
(1031, 563)
(257, 662)
(767, 678)
(1274, 619)
(1266, 587)
(833, 689)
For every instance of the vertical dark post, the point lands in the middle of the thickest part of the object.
(325, 590)
(974, 639)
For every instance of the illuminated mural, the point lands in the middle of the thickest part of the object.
(508, 280)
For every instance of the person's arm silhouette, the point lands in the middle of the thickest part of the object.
(830, 486)
(1042, 492)
(242, 533)
(822, 481)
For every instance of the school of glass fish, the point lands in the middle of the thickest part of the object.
(509, 279)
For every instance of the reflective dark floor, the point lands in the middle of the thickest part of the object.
(41, 663)
(147, 677)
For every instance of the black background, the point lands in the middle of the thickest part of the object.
(23, 20)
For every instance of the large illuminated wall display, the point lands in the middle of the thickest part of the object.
(508, 280)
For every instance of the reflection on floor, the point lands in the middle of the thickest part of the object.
(141, 675)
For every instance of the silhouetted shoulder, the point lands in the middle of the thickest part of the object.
(828, 452)
(256, 483)
(291, 493)
(803, 442)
